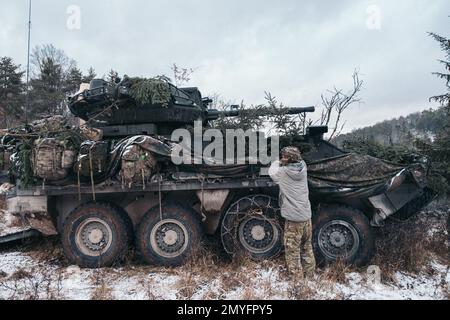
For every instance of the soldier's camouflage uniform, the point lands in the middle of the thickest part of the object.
(299, 254)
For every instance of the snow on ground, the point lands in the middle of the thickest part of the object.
(22, 277)
(40, 272)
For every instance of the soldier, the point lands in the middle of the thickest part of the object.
(291, 176)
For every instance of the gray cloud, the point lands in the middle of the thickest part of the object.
(295, 49)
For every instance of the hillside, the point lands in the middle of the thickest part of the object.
(401, 130)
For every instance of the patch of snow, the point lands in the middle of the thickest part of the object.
(10, 224)
(71, 282)
(11, 262)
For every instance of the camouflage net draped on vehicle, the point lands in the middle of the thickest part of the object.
(350, 175)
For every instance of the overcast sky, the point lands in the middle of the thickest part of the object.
(239, 49)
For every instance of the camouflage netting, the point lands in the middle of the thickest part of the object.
(350, 175)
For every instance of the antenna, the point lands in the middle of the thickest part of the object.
(28, 64)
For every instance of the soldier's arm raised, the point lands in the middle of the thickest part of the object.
(275, 171)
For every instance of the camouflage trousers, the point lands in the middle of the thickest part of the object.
(299, 254)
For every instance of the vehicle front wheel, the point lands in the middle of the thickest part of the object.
(168, 239)
(342, 233)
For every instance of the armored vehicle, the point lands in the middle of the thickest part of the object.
(120, 186)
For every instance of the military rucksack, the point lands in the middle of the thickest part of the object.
(93, 157)
(52, 159)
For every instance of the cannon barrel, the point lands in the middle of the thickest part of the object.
(213, 114)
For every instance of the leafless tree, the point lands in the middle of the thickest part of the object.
(48, 52)
(181, 75)
(337, 101)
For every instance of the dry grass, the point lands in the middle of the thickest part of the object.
(20, 275)
(101, 291)
(407, 246)
(187, 286)
(336, 272)
(302, 291)
(25, 285)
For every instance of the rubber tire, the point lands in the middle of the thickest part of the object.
(357, 219)
(271, 254)
(120, 227)
(186, 217)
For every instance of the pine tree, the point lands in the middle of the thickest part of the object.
(112, 76)
(47, 90)
(91, 75)
(440, 150)
(54, 76)
(73, 81)
(443, 99)
(11, 93)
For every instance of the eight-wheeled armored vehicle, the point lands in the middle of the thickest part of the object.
(118, 185)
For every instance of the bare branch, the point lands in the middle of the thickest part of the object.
(339, 102)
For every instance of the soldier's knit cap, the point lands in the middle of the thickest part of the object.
(292, 153)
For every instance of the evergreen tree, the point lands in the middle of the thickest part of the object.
(443, 99)
(112, 76)
(47, 96)
(440, 151)
(91, 75)
(55, 76)
(74, 79)
(11, 93)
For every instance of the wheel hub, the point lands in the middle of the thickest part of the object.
(338, 239)
(93, 237)
(257, 234)
(169, 238)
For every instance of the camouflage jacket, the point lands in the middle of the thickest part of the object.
(294, 194)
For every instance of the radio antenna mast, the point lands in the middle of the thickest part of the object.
(28, 65)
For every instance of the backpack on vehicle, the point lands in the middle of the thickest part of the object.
(137, 165)
(51, 159)
(92, 158)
